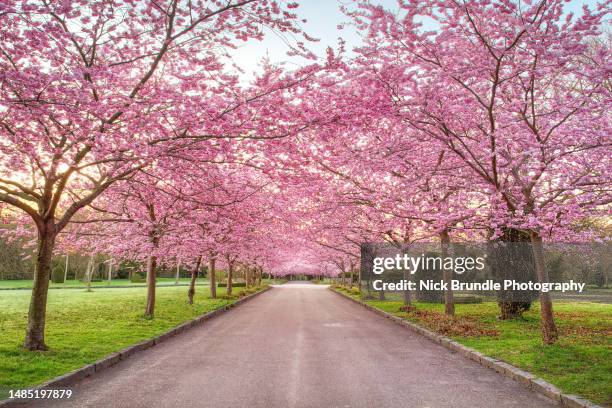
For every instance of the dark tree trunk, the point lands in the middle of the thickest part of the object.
(35, 332)
(259, 273)
(247, 276)
(447, 274)
(230, 272)
(192, 283)
(407, 276)
(407, 296)
(547, 321)
(212, 273)
(151, 281)
(513, 260)
(358, 277)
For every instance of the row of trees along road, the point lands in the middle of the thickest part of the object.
(124, 131)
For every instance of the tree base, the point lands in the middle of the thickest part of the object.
(512, 310)
(35, 346)
(407, 308)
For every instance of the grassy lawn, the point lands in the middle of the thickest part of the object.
(324, 281)
(274, 281)
(83, 327)
(27, 283)
(580, 363)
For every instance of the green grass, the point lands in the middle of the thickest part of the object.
(83, 327)
(579, 363)
(323, 281)
(275, 281)
(27, 283)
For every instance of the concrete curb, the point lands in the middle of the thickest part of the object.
(74, 376)
(168, 285)
(524, 378)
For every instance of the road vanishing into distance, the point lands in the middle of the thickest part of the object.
(299, 345)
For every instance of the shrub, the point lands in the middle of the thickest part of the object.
(138, 277)
(57, 274)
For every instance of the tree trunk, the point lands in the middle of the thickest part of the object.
(547, 321)
(35, 332)
(407, 296)
(151, 280)
(66, 269)
(178, 272)
(259, 273)
(110, 270)
(230, 272)
(194, 276)
(447, 274)
(512, 260)
(358, 277)
(89, 272)
(247, 276)
(407, 277)
(212, 273)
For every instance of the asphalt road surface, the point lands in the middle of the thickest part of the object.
(299, 345)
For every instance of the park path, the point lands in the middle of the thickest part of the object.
(299, 345)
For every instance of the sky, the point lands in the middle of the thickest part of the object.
(323, 17)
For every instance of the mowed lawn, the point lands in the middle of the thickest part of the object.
(579, 363)
(83, 327)
(27, 283)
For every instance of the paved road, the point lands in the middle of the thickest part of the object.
(299, 345)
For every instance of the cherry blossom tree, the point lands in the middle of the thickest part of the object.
(123, 131)
(93, 91)
(513, 91)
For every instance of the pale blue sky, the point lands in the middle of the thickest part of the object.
(323, 17)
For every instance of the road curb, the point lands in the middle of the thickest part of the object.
(168, 285)
(74, 376)
(524, 378)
